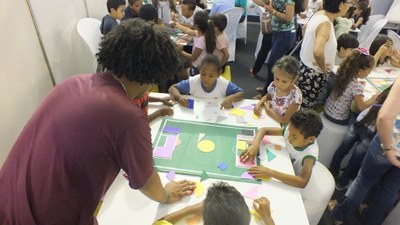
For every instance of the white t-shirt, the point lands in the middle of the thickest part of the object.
(299, 155)
(307, 47)
(197, 90)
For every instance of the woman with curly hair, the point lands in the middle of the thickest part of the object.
(86, 130)
(346, 87)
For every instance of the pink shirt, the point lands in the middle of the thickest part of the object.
(70, 152)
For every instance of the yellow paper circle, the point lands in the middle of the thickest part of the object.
(199, 189)
(206, 146)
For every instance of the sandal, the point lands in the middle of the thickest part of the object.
(332, 204)
(252, 74)
(260, 89)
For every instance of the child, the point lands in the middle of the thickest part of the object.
(283, 97)
(143, 102)
(346, 87)
(115, 12)
(220, 22)
(300, 140)
(346, 44)
(359, 133)
(204, 41)
(148, 13)
(186, 16)
(208, 84)
(343, 23)
(132, 10)
(383, 52)
(223, 205)
(361, 14)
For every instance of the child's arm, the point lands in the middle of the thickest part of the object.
(358, 23)
(234, 94)
(186, 30)
(361, 104)
(395, 58)
(300, 181)
(257, 109)
(292, 108)
(262, 206)
(166, 111)
(189, 210)
(251, 152)
(192, 57)
(174, 91)
(165, 100)
(225, 56)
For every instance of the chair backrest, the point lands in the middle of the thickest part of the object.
(89, 30)
(395, 38)
(233, 16)
(317, 193)
(366, 29)
(373, 32)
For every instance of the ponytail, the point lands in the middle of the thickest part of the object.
(210, 37)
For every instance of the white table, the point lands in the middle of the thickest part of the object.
(122, 205)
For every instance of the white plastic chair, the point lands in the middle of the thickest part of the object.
(369, 31)
(329, 140)
(241, 32)
(259, 11)
(379, 6)
(317, 193)
(89, 30)
(395, 38)
(233, 16)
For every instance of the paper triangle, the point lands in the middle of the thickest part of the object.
(220, 118)
(201, 136)
(171, 175)
(270, 155)
(266, 140)
(204, 176)
(246, 175)
(252, 193)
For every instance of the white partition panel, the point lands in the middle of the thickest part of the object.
(97, 8)
(25, 79)
(56, 20)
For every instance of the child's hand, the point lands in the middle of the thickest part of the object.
(167, 101)
(227, 103)
(383, 49)
(260, 172)
(166, 111)
(184, 102)
(257, 110)
(267, 107)
(262, 207)
(249, 154)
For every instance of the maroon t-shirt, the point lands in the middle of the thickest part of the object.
(70, 152)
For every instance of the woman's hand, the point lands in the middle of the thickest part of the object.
(179, 189)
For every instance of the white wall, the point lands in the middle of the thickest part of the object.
(25, 79)
(97, 8)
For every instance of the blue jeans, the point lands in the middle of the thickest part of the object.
(375, 168)
(279, 43)
(359, 135)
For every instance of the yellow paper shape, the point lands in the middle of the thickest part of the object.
(265, 179)
(255, 116)
(255, 216)
(241, 145)
(193, 220)
(206, 146)
(237, 112)
(199, 189)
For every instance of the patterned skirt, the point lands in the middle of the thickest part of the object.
(310, 84)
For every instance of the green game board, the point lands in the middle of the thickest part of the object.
(188, 159)
(380, 83)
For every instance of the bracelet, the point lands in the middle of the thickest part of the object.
(168, 196)
(386, 149)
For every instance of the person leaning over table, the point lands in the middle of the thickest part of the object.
(381, 166)
(318, 50)
(86, 130)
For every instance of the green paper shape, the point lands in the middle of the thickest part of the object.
(270, 155)
(204, 176)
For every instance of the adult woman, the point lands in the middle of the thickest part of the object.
(381, 164)
(318, 50)
(86, 130)
(280, 40)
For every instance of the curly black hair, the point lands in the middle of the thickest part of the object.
(308, 122)
(140, 51)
